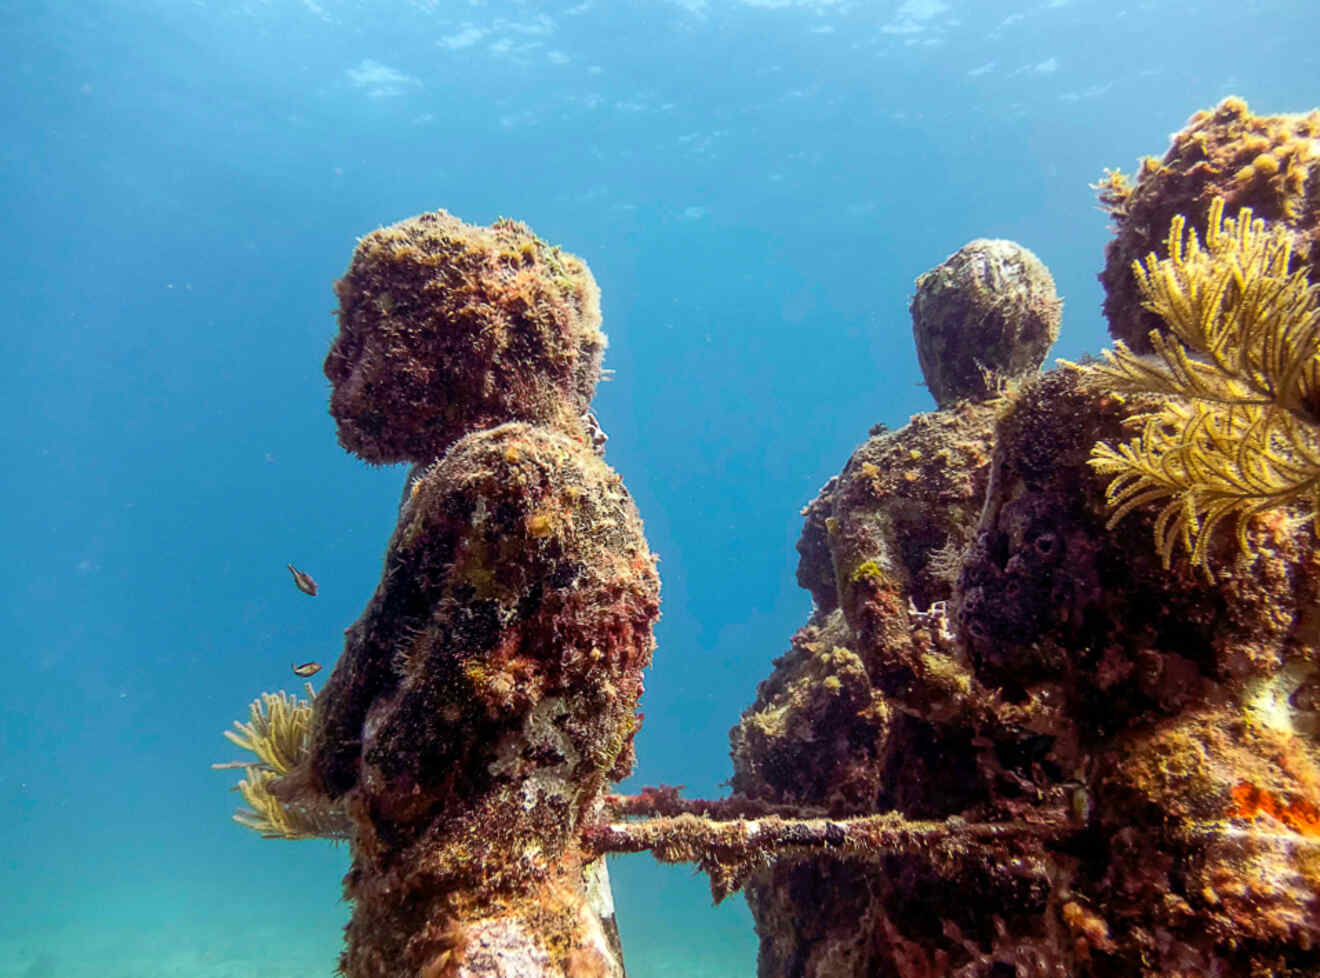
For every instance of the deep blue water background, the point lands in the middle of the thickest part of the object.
(755, 186)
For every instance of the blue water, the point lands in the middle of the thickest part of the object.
(755, 185)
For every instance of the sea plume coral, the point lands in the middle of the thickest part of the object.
(277, 734)
(1237, 431)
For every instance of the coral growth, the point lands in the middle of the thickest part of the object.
(873, 707)
(487, 694)
(1267, 163)
(984, 317)
(447, 328)
(517, 596)
(1146, 722)
(1238, 428)
(277, 733)
(989, 653)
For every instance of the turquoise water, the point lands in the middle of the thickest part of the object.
(755, 186)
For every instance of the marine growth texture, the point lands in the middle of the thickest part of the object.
(1158, 725)
(446, 328)
(487, 694)
(983, 318)
(1268, 163)
(873, 709)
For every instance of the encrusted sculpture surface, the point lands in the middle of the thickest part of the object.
(486, 696)
(983, 649)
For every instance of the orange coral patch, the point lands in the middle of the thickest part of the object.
(1300, 815)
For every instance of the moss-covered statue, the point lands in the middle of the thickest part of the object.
(1151, 707)
(486, 696)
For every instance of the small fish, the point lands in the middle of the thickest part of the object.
(306, 669)
(303, 582)
(595, 432)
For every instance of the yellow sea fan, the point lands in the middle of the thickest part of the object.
(1239, 430)
(275, 819)
(278, 734)
(278, 729)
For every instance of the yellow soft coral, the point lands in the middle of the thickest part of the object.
(1239, 429)
(277, 734)
(1113, 189)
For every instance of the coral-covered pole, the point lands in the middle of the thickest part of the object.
(729, 850)
(486, 697)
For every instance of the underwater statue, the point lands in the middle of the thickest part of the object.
(486, 696)
(1086, 601)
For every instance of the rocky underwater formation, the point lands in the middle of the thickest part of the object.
(1056, 711)
(1003, 634)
